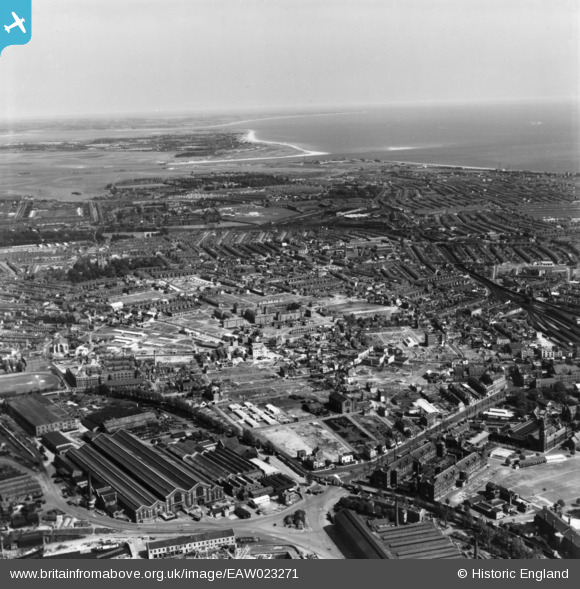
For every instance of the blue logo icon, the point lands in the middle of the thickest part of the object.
(15, 22)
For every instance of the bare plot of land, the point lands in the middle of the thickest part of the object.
(307, 436)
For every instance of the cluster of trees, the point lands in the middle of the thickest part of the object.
(29, 236)
(84, 269)
(523, 404)
(177, 405)
(526, 401)
(353, 191)
(502, 543)
(13, 365)
(557, 393)
(362, 506)
(214, 182)
(57, 319)
(120, 236)
(296, 519)
(499, 541)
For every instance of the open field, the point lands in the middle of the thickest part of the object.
(359, 307)
(56, 175)
(544, 484)
(255, 214)
(52, 173)
(28, 382)
(306, 436)
(150, 296)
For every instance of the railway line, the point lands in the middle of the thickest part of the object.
(557, 323)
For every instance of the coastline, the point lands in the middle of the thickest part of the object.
(455, 166)
(278, 117)
(250, 137)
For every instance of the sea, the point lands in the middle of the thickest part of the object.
(535, 136)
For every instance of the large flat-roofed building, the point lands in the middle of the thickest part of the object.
(208, 540)
(147, 482)
(56, 442)
(38, 415)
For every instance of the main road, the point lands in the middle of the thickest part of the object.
(269, 528)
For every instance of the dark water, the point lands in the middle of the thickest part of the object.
(531, 136)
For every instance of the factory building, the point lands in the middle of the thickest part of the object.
(147, 482)
(56, 442)
(38, 415)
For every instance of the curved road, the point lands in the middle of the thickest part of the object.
(269, 528)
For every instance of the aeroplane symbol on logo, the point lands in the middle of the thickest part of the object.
(18, 22)
(15, 23)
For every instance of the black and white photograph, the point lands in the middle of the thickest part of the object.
(290, 279)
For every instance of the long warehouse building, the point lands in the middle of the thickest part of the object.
(146, 481)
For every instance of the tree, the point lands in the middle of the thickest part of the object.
(248, 438)
(559, 387)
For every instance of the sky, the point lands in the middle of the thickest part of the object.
(142, 56)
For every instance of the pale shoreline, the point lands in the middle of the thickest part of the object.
(279, 117)
(250, 137)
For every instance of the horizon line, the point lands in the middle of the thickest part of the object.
(269, 109)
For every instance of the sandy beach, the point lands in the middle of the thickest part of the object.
(250, 137)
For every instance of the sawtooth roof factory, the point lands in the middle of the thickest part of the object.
(146, 483)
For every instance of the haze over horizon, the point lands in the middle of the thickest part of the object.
(183, 56)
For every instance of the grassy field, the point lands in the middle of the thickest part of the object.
(255, 214)
(28, 382)
(56, 175)
(544, 484)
